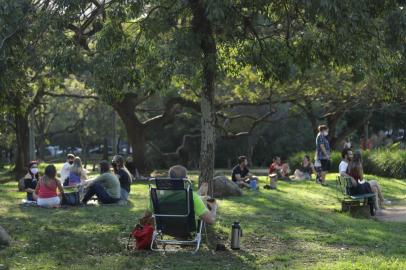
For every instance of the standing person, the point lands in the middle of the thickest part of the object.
(106, 186)
(46, 188)
(323, 152)
(241, 174)
(124, 176)
(30, 181)
(66, 167)
(76, 173)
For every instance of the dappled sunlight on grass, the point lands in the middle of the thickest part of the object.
(298, 226)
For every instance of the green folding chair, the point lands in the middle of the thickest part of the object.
(173, 210)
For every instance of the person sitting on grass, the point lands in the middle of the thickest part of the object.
(47, 187)
(279, 169)
(30, 181)
(200, 209)
(65, 170)
(351, 166)
(305, 171)
(241, 174)
(77, 174)
(106, 186)
(124, 176)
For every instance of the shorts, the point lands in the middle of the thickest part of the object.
(325, 165)
(48, 202)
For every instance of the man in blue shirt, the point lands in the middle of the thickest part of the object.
(323, 152)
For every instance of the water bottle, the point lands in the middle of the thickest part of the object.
(236, 233)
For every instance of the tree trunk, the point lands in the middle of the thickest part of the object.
(138, 142)
(106, 149)
(136, 134)
(41, 147)
(202, 26)
(23, 143)
(332, 122)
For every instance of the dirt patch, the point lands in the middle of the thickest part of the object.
(393, 213)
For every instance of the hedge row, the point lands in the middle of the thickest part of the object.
(382, 162)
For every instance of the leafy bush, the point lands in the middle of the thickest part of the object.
(381, 162)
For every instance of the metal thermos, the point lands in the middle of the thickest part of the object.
(236, 233)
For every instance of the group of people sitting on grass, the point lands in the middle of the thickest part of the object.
(277, 170)
(108, 187)
(350, 166)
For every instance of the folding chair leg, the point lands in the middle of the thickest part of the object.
(198, 240)
(153, 242)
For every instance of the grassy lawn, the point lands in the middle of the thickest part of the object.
(297, 227)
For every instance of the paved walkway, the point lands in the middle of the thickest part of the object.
(392, 213)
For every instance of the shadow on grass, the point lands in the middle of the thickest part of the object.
(288, 218)
(68, 242)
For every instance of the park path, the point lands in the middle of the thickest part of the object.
(392, 213)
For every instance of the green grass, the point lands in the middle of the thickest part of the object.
(297, 227)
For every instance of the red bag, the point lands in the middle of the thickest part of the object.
(143, 236)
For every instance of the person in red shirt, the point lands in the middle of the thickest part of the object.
(279, 169)
(47, 187)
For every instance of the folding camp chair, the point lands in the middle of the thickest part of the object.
(173, 210)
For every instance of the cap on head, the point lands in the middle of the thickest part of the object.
(70, 156)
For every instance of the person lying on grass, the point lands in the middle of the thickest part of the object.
(46, 189)
(106, 186)
(200, 209)
(241, 174)
(351, 166)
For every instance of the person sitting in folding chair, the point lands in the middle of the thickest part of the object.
(170, 205)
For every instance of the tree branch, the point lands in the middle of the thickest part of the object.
(170, 110)
(231, 135)
(71, 95)
(178, 149)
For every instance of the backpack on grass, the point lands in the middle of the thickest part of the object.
(141, 236)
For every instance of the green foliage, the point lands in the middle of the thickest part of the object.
(385, 162)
